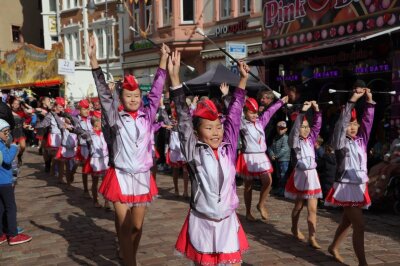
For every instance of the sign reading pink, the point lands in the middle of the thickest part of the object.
(292, 23)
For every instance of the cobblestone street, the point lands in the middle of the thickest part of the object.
(68, 230)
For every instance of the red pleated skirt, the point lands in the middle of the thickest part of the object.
(177, 164)
(111, 190)
(347, 194)
(184, 247)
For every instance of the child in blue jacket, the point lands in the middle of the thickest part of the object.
(7, 197)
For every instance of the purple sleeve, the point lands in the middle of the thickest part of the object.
(232, 121)
(266, 116)
(295, 132)
(316, 126)
(106, 97)
(366, 122)
(157, 126)
(155, 94)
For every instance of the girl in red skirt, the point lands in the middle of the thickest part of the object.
(303, 184)
(97, 163)
(212, 233)
(175, 158)
(128, 182)
(350, 190)
(253, 162)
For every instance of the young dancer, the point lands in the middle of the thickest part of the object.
(253, 162)
(128, 182)
(212, 233)
(97, 163)
(175, 158)
(67, 150)
(53, 124)
(303, 184)
(21, 114)
(82, 153)
(350, 189)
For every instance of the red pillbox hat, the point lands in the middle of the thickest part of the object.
(130, 83)
(83, 104)
(251, 104)
(206, 109)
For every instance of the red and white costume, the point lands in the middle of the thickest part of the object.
(304, 181)
(129, 180)
(211, 234)
(252, 160)
(351, 185)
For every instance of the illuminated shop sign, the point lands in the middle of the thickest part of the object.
(327, 74)
(372, 69)
(295, 23)
(288, 78)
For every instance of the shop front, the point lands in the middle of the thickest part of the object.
(34, 68)
(317, 46)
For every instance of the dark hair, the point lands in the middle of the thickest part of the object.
(196, 122)
(359, 83)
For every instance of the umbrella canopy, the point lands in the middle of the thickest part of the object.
(208, 83)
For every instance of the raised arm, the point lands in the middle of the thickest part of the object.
(46, 121)
(368, 118)
(185, 125)
(266, 116)
(295, 132)
(317, 121)
(104, 92)
(339, 133)
(158, 84)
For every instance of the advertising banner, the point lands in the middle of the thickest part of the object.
(300, 23)
(31, 66)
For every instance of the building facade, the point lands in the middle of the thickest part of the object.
(175, 23)
(70, 22)
(20, 23)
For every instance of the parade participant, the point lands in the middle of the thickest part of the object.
(350, 189)
(175, 158)
(303, 184)
(253, 162)
(83, 121)
(53, 124)
(212, 233)
(7, 197)
(164, 123)
(128, 182)
(20, 115)
(67, 150)
(41, 112)
(97, 163)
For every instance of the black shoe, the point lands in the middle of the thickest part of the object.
(47, 166)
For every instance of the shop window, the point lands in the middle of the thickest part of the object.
(244, 6)
(52, 5)
(16, 33)
(167, 12)
(110, 43)
(72, 46)
(225, 8)
(68, 4)
(148, 17)
(136, 16)
(187, 11)
(77, 47)
(100, 43)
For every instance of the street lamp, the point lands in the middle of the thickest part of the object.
(91, 6)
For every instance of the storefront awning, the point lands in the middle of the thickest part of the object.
(260, 60)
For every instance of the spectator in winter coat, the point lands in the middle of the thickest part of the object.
(280, 154)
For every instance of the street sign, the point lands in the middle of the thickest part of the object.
(237, 50)
(66, 67)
